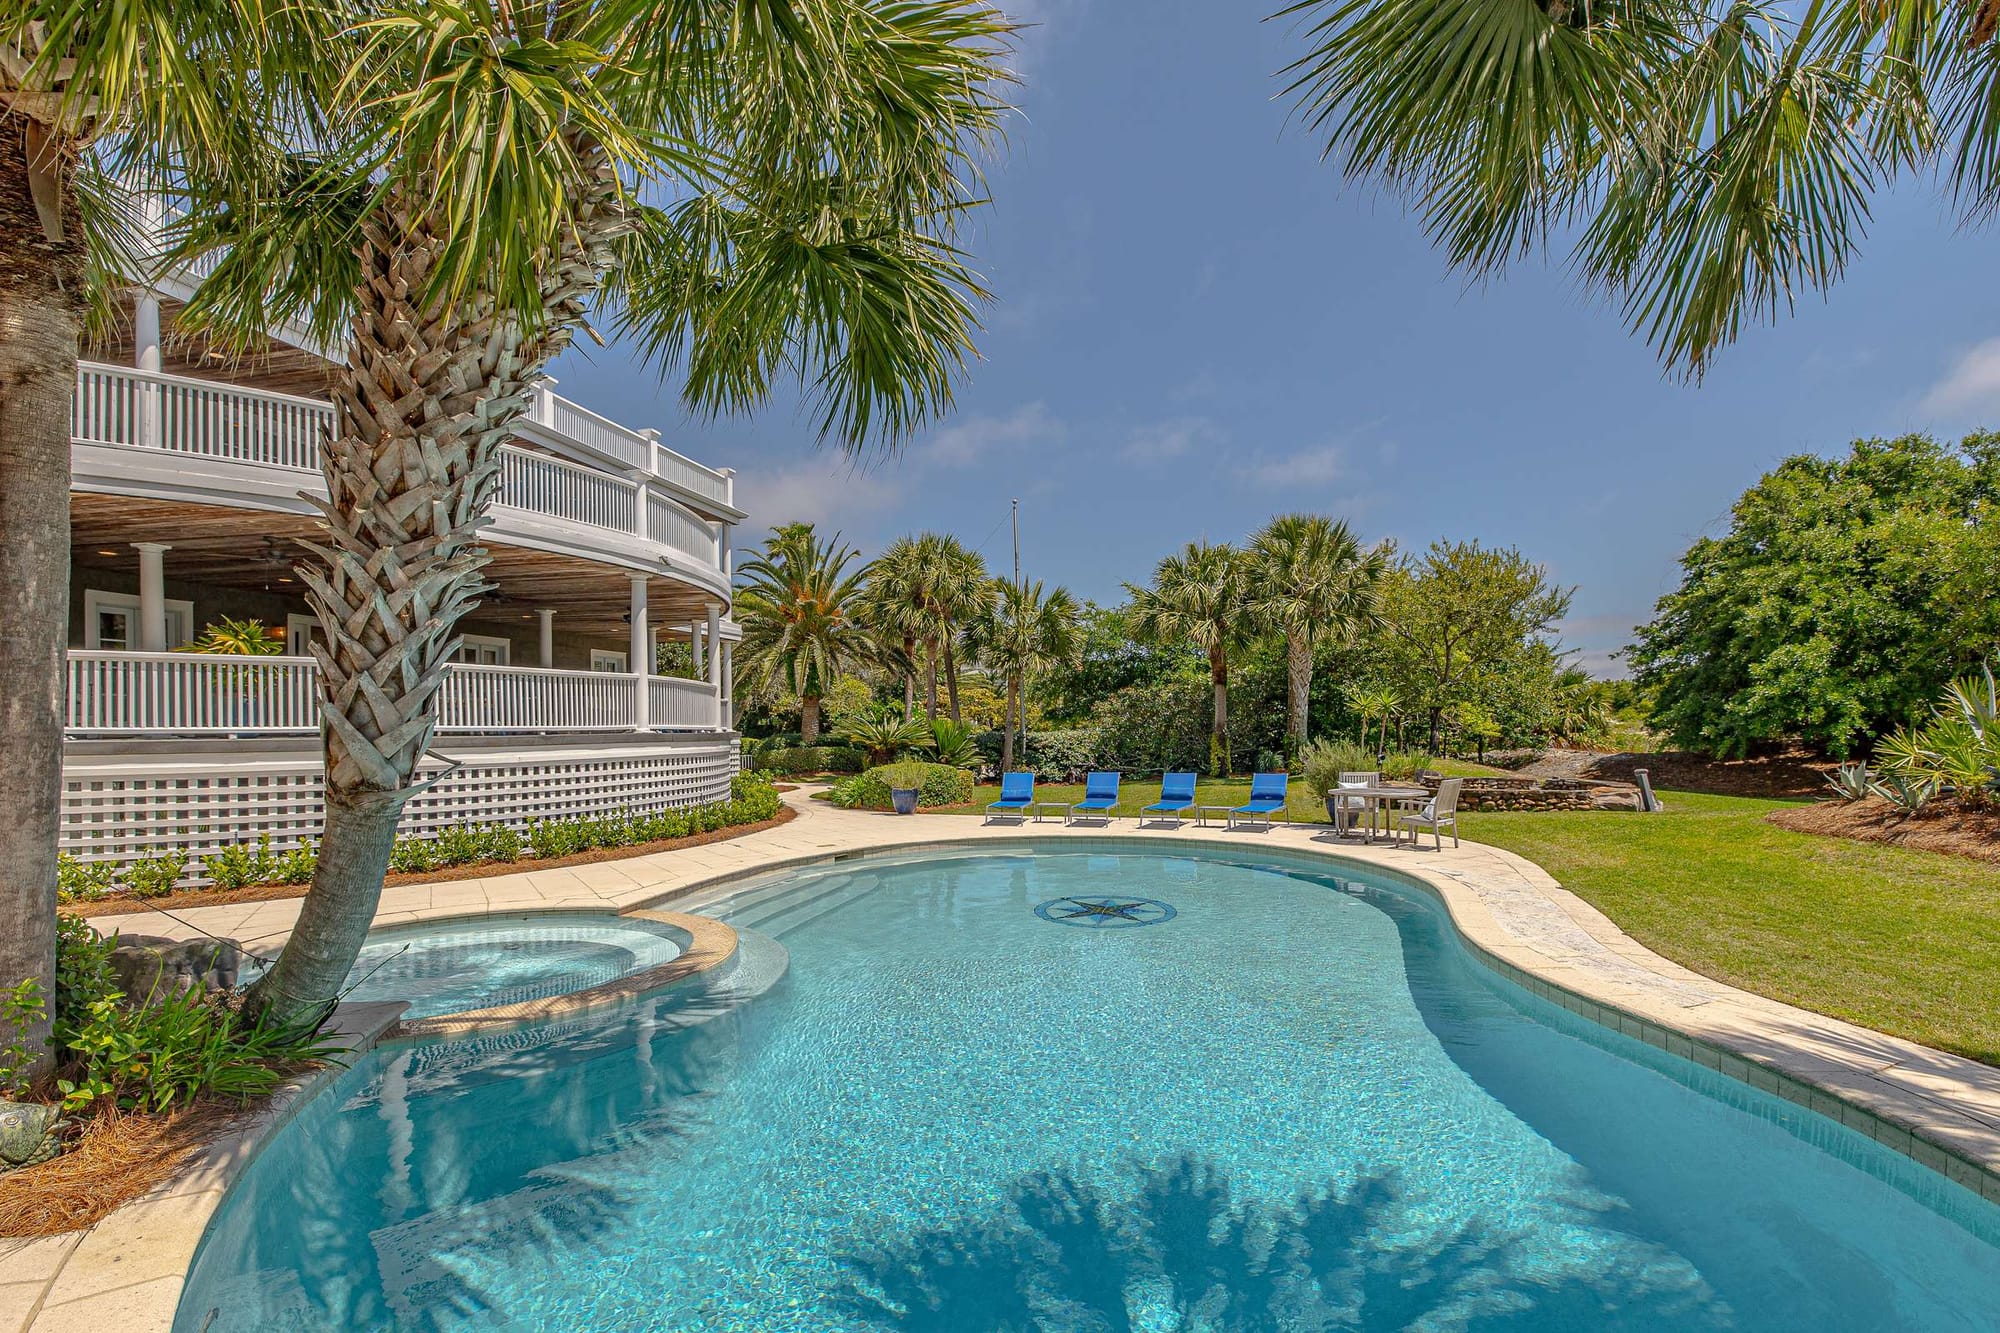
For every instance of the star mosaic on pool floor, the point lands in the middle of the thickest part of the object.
(1098, 913)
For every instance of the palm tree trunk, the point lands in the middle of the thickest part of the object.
(1007, 731)
(1218, 741)
(809, 720)
(1298, 679)
(909, 679)
(41, 319)
(951, 678)
(931, 686)
(429, 393)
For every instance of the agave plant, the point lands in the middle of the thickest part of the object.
(954, 744)
(1908, 792)
(884, 734)
(1851, 782)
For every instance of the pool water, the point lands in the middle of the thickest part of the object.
(508, 960)
(1293, 1104)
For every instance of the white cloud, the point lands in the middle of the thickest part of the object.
(1162, 440)
(1971, 385)
(1314, 465)
(978, 439)
(822, 491)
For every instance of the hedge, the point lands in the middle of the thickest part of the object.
(936, 784)
(1063, 755)
(798, 760)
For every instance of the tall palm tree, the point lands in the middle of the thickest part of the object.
(1310, 580)
(961, 596)
(800, 614)
(449, 188)
(896, 604)
(1708, 163)
(1198, 597)
(1024, 633)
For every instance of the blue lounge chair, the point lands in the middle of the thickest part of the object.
(1267, 798)
(1100, 794)
(1176, 797)
(1017, 794)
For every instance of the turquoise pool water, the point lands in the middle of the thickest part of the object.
(504, 960)
(1293, 1104)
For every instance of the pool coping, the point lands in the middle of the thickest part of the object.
(1940, 1110)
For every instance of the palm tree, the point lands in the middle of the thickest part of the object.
(798, 611)
(1310, 580)
(448, 188)
(1198, 597)
(1024, 633)
(896, 605)
(1710, 163)
(961, 597)
(1373, 702)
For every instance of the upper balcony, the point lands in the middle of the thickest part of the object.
(576, 484)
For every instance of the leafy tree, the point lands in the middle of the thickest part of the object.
(1108, 659)
(1023, 633)
(1707, 163)
(1838, 604)
(1461, 613)
(1308, 579)
(798, 611)
(1198, 597)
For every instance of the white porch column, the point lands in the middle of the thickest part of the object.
(694, 648)
(712, 671)
(146, 357)
(724, 555)
(641, 642)
(726, 691)
(152, 596)
(548, 616)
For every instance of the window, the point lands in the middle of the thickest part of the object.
(603, 659)
(111, 621)
(484, 650)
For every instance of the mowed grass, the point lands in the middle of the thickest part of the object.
(1902, 941)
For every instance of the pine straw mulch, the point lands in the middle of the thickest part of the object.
(1796, 773)
(257, 893)
(114, 1158)
(1954, 832)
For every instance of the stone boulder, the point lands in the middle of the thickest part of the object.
(29, 1133)
(149, 967)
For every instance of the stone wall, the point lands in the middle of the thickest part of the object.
(1542, 794)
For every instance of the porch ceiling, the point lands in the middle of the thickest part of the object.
(274, 365)
(242, 548)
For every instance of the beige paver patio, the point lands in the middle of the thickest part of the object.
(1939, 1109)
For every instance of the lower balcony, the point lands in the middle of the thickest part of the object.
(136, 694)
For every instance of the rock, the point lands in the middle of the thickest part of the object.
(151, 966)
(28, 1133)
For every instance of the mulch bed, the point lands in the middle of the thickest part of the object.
(1974, 834)
(1793, 774)
(116, 1158)
(258, 893)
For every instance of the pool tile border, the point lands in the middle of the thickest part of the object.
(1938, 1110)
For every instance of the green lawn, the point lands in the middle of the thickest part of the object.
(1901, 941)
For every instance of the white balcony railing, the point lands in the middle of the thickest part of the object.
(631, 448)
(194, 694)
(120, 406)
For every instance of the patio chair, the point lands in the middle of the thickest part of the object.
(1440, 812)
(1017, 794)
(1176, 797)
(1343, 809)
(1100, 794)
(1267, 799)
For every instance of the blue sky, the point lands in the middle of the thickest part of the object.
(1199, 324)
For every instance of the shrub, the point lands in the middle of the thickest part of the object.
(1062, 755)
(1323, 761)
(935, 784)
(801, 760)
(156, 876)
(156, 1056)
(884, 734)
(954, 743)
(409, 856)
(1956, 751)
(297, 865)
(241, 864)
(83, 881)
(1154, 728)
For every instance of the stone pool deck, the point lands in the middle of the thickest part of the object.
(1940, 1109)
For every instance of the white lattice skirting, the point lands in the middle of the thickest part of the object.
(122, 808)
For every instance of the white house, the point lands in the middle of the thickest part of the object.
(190, 473)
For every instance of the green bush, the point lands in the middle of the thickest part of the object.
(1155, 728)
(1323, 761)
(935, 784)
(799, 761)
(297, 865)
(155, 876)
(84, 881)
(241, 864)
(1063, 755)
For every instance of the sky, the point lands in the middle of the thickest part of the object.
(1199, 324)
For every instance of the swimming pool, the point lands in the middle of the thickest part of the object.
(1291, 1103)
(454, 967)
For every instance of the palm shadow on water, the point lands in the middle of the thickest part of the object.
(1067, 1258)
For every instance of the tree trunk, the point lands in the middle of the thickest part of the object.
(951, 678)
(909, 679)
(1298, 680)
(428, 395)
(1007, 731)
(41, 318)
(809, 720)
(1436, 723)
(931, 685)
(1218, 740)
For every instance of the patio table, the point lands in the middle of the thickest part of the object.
(1380, 795)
